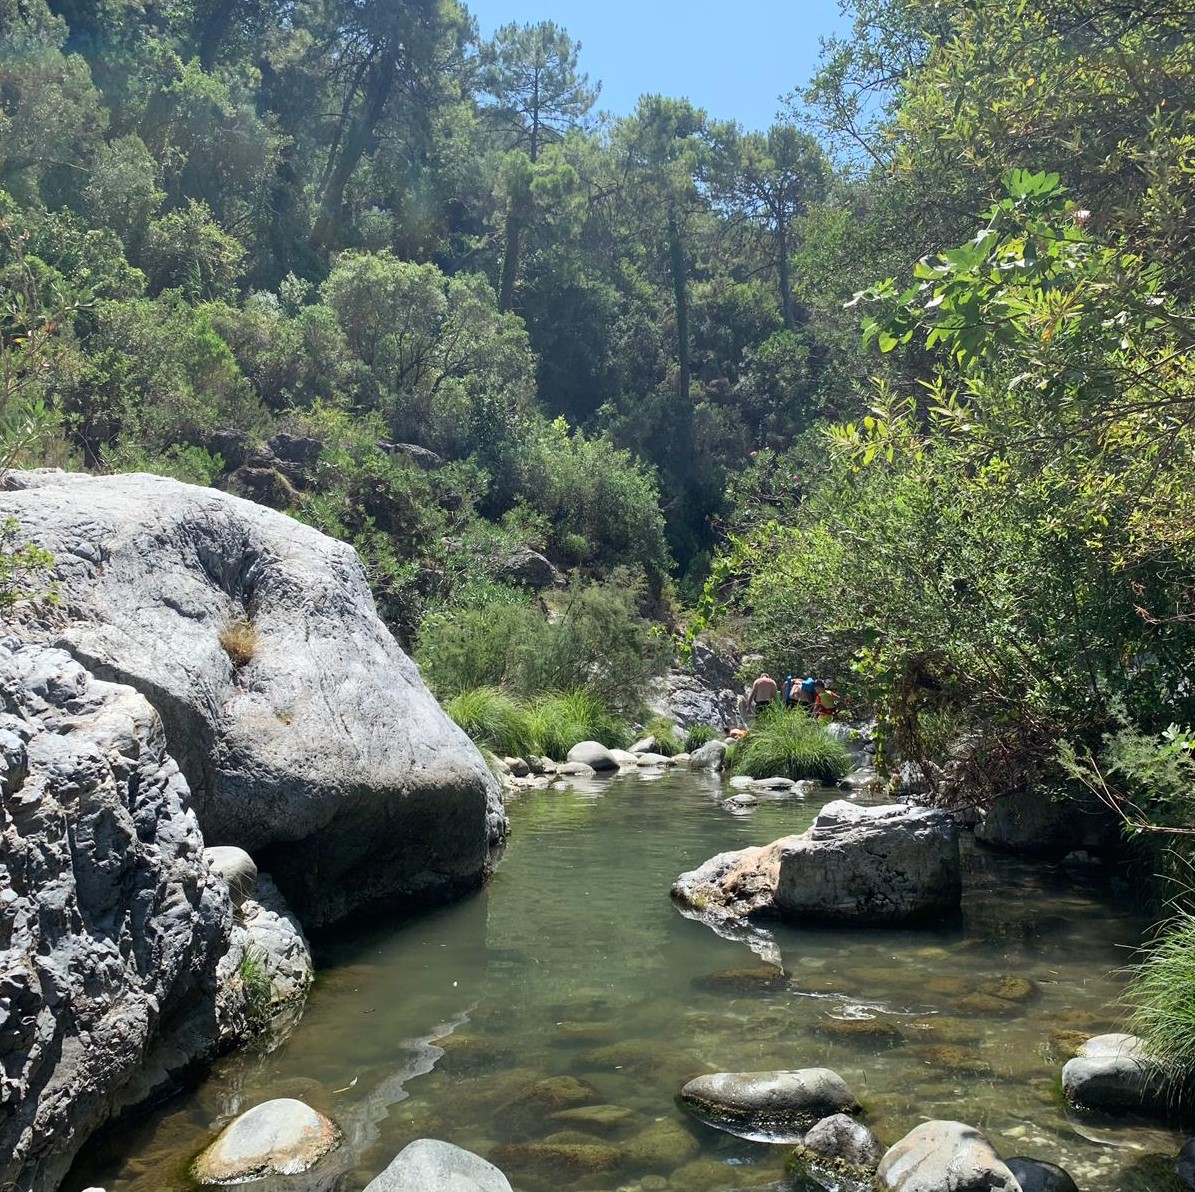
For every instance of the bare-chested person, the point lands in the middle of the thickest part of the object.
(763, 691)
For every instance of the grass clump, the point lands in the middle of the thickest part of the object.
(561, 719)
(700, 734)
(788, 744)
(493, 719)
(257, 986)
(668, 743)
(1162, 997)
(240, 641)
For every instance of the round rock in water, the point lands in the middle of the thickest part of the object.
(709, 756)
(767, 1106)
(1114, 1073)
(944, 1155)
(593, 753)
(1034, 1175)
(429, 1165)
(282, 1137)
(842, 1138)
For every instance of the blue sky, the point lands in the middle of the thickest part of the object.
(733, 59)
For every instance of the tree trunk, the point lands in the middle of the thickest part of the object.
(510, 260)
(357, 140)
(676, 257)
(786, 286)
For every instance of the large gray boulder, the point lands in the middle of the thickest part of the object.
(770, 1106)
(858, 865)
(944, 1157)
(311, 742)
(1115, 1074)
(593, 754)
(428, 1165)
(709, 756)
(112, 925)
(706, 691)
(1035, 1175)
(1036, 823)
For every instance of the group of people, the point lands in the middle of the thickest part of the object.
(811, 694)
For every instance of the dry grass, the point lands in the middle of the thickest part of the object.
(240, 642)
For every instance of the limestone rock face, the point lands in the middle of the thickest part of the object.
(428, 1165)
(1114, 1073)
(312, 743)
(937, 1156)
(281, 1137)
(110, 921)
(862, 865)
(771, 1106)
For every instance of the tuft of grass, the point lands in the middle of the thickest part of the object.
(668, 743)
(240, 642)
(1161, 995)
(700, 734)
(493, 719)
(257, 985)
(787, 743)
(560, 719)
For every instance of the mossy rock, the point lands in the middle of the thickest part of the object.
(1065, 1044)
(597, 1119)
(945, 1030)
(874, 1030)
(631, 1055)
(985, 1005)
(709, 1175)
(808, 1173)
(584, 1034)
(662, 1146)
(943, 985)
(1154, 1173)
(469, 1054)
(954, 1059)
(762, 978)
(1009, 988)
(556, 1163)
(816, 983)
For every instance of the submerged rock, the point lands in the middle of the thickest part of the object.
(428, 1165)
(1033, 1175)
(940, 1156)
(281, 1137)
(865, 865)
(557, 1161)
(771, 1106)
(111, 922)
(306, 734)
(1115, 1074)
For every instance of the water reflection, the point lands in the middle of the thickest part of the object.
(548, 1021)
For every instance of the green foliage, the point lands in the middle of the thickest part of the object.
(789, 744)
(561, 719)
(700, 734)
(668, 743)
(192, 465)
(596, 641)
(1161, 996)
(257, 986)
(24, 569)
(494, 720)
(188, 251)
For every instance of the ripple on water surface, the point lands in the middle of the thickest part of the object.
(548, 1021)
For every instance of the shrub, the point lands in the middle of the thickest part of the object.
(240, 642)
(561, 719)
(493, 719)
(700, 734)
(789, 744)
(668, 744)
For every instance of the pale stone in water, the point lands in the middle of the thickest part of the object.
(939, 1155)
(593, 753)
(428, 1165)
(280, 1137)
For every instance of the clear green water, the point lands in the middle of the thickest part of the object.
(575, 963)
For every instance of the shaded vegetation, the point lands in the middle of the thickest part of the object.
(786, 743)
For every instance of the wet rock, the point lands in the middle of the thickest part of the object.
(553, 1162)
(773, 1106)
(472, 1054)
(597, 1119)
(428, 1165)
(1113, 1073)
(545, 1098)
(593, 754)
(939, 1156)
(644, 744)
(517, 766)
(624, 757)
(954, 1059)
(541, 765)
(1009, 989)
(1036, 1176)
(1034, 823)
(985, 1005)
(875, 1030)
(763, 978)
(710, 756)
(576, 770)
(841, 1138)
(314, 744)
(281, 1137)
(653, 760)
(663, 1146)
(741, 802)
(1066, 1044)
